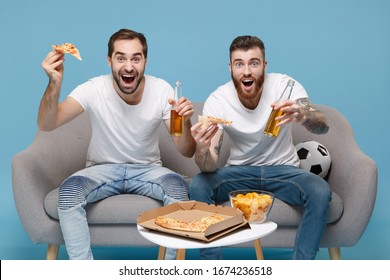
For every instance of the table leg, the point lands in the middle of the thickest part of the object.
(180, 254)
(161, 252)
(259, 250)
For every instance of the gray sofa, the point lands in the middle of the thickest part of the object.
(38, 171)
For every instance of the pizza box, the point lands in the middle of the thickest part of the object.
(194, 210)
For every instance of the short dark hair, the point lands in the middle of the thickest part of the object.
(246, 42)
(127, 34)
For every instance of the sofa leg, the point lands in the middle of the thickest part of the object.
(52, 251)
(334, 253)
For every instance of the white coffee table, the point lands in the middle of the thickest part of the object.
(164, 240)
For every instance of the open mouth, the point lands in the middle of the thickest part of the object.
(128, 79)
(247, 83)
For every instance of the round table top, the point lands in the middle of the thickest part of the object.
(239, 236)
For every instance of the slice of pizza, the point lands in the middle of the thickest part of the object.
(171, 223)
(200, 225)
(206, 119)
(176, 224)
(67, 48)
(210, 220)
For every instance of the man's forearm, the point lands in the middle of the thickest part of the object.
(204, 161)
(48, 108)
(312, 119)
(185, 142)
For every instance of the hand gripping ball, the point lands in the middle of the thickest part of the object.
(314, 157)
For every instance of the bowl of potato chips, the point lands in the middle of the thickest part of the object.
(255, 205)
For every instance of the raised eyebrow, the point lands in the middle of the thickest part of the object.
(250, 60)
(119, 53)
(137, 54)
(134, 54)
(237, 60)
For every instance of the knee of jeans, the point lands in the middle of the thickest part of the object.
(199, 187)
(71, 193)
(322, 194)
(174, 186)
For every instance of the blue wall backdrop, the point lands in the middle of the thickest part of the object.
(338, 49)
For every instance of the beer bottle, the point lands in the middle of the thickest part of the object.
(177, 122)
(271, 128)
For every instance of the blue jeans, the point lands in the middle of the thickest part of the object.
(100, 181)
(292, 185)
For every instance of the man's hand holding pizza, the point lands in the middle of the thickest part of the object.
(53, 64)
(203, 133)
(208, 138)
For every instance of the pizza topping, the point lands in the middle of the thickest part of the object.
(200, 225)
(67, 48)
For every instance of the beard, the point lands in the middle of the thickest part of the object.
(254, 92)
(121, 81)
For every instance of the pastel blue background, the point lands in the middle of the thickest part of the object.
(338, 49)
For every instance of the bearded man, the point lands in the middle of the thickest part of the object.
(257, 161)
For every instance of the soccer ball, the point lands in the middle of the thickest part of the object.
(314, 157)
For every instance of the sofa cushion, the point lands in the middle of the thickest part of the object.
(119, 209)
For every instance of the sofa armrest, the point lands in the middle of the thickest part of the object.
(30, 186)
(42, 167)
(353, 176)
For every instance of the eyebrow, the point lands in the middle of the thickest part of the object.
(134, 54)
(251, 59)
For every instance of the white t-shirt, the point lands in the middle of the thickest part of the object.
(249, 145)
(123, 133)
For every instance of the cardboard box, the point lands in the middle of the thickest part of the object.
(194, 210)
